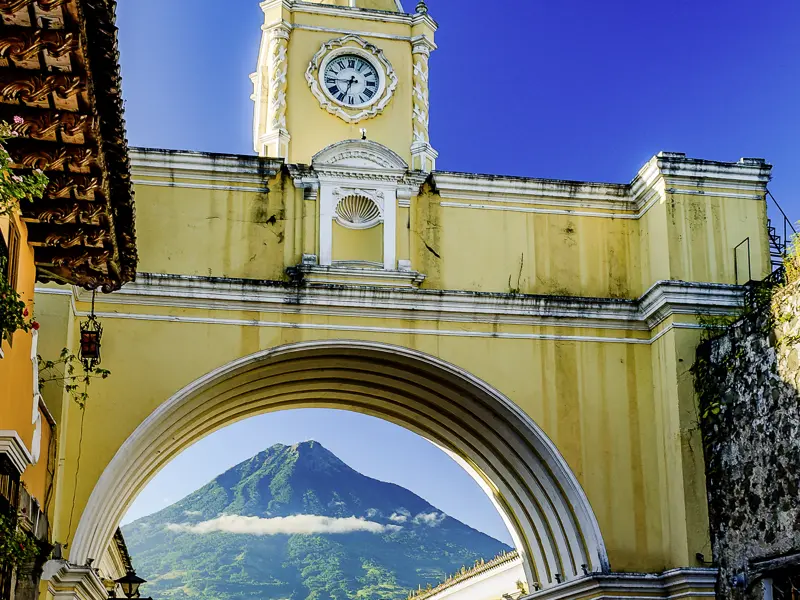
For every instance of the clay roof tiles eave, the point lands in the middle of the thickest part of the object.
(59, 68)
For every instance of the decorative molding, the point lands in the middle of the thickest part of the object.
(225, 172)
(275, 140)
(315, 8)
(666, 173)
(358, 209)
(337, 299)
(356, 45)
(421, 52)
(66, 581)
(403, 331)
(360, 273)
(357, 32)
(21, 44)
(9, 7)
(31, 88)
(15, 449)
(361, 157)
(495, 578)
(359, 165)
(423, 154)
(670, 585)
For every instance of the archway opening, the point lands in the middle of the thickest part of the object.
(552, 524)
(315, 503)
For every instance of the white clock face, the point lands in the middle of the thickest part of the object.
(351, 80)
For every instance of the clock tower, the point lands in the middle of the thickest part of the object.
(328, 70)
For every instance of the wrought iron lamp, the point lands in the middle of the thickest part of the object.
(91, 333)
(130, 584)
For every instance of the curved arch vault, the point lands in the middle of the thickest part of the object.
(548, 513)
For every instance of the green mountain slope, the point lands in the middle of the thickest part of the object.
(295, 522)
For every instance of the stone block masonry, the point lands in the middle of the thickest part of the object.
(748, 380)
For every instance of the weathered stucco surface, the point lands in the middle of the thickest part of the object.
(748, 382)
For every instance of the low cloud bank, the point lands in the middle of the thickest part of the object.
(297, 524)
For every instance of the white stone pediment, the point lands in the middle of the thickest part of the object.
(359, 154)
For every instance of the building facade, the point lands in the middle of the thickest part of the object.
(540, 331)
(61, 115)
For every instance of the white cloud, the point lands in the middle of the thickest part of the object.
(193, 513)
(297, 524)
(373, 512)
(399, 518)
(431, 519)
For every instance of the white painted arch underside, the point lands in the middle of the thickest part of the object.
(549, 516)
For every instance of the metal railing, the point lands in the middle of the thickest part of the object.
(780, 237)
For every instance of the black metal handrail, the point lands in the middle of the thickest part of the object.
(779, 242)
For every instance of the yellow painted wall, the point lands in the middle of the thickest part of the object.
(622, 414)
(524, 252)
(358, 244)
(312, 129)
(37, 477)
(251, 235)
(16, 369)
(594, 400)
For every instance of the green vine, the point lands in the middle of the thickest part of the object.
(791, 261)
(16, 547)
(14, 187)
(14, 315)
(68, 371)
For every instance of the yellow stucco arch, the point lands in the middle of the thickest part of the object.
(550, 518)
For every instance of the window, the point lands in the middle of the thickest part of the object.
(13, 255)
(9, 260)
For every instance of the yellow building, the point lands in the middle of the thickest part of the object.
(540, 331)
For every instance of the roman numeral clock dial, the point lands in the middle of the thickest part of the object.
(351, 80)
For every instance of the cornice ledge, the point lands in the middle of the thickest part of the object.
(346, 11)
(668, 297)
(513, 189)
(14, 448)
(754, 171)
(315, 275)
(397, 298)
(72, 582)
(672, 584)
(193, 163)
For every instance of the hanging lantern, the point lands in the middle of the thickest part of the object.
(91, 332)
(130, 584)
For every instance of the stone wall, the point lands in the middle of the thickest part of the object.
(747, 381)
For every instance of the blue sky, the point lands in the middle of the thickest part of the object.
(570, 89)
(369, 445)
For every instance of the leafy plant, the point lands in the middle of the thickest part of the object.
(16, 547)
(15, 187)
(13, 312)
(68, 371)
(792, 260)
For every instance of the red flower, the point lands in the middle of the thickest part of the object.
(25, 313)
(35, 326)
